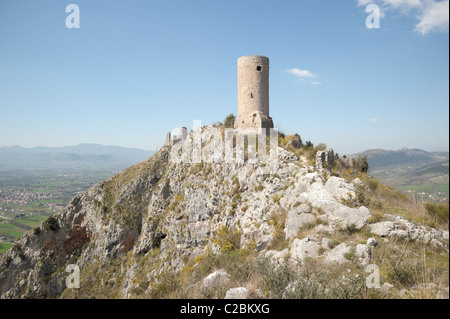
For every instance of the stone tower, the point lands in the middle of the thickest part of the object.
(253, 94)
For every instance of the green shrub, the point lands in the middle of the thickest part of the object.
(228, 240)
(439, 211)
(51, 224)
(373, 185)
(349, 229)
(259, 188)
(360, 164)
(229, 121)
(309, 144)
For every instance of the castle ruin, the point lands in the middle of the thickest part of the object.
(174, 139)
(253, 94)
(253, 98)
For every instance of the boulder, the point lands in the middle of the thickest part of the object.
(436, 243)
(217, 278)
(322, 229)
(362, 252)
(340, 189)
(325, 158)
(399, 233)
(237, 293)
(382, 229)
(277, 257)
(358, 182)
(336, 255)
(326, 243)
(301, 249)
(347, 216)
(372, 242)
(296, 219)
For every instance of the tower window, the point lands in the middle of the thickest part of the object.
(251, 95)
(258, 68)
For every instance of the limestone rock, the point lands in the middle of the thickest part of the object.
(347, 216)
(436, 243)
(277, 257)
(340, 189)
(237, 293)
(372, 242)
(326, 157)
(362, 252)
(303, 248)
(399, 233)
(326, 243)
(358, 182)
(336, 255)
(169, 212)
(296, 219)
(382, 229)
(322, 229)
(217, 278)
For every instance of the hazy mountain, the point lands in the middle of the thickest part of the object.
(90, 156)
(380, 158)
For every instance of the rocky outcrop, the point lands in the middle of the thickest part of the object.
(160, 216)
(301, 249)
(217, 278)
(338, 254)
(325, 158)
(237, 293)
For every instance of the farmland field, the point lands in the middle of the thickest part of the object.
(29, 197)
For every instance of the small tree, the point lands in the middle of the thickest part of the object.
(309, 144)
(364, 164)
(360, 164)
(229, 121)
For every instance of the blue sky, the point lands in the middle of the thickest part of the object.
(135, 70)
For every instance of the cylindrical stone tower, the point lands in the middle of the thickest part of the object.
(253, 93)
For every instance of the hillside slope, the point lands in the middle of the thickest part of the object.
(281, 229)
(412, 170)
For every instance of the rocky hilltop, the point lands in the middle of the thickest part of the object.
(285, 229)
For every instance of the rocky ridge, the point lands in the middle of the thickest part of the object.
(173, 214)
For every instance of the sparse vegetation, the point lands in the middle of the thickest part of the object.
(51, 224)
(229, 121)
(278, 221)
(439, 211)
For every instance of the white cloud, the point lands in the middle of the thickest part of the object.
(301, 73)
(315, 83)
(434, 17)
(363, 3)
(405, 4)
(374, 120)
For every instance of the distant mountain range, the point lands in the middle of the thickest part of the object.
(82, 156)
(381, 158)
